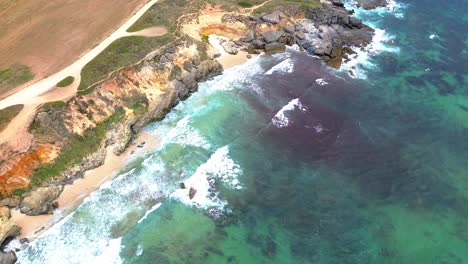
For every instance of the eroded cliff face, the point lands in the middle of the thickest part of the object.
(19, 168)
(110, 115)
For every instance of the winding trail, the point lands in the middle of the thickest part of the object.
(28, 94)
(45, 90)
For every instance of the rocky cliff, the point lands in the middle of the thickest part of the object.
(70, 138)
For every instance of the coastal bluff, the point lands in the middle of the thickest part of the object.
(70, 138)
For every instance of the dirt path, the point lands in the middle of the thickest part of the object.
(44, 91)
(149, 32)
(30, 93)
(48, 35)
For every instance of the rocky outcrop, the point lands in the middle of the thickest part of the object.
(272, 36)
(371, 4)
(327, 32)
(274, 17)
(230, 47)
(40, 201)
(8, 230)
(7, 257)
(276, 47)
(10, 202)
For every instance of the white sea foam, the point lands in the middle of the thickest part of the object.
(433, 36)
(381, 42)
(396, 8)
(110, 252)
(321, 82)
(280, 119)
(362, 61)
(84, 236)
(149, 212)
(293, 48)
(237, 77)
(184, 134)
(14, 245)
(392, 8)
(139, 251)
(219, 167)
(319, 128)
(286, 66)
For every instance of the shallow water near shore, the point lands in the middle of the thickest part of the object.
(304, 164)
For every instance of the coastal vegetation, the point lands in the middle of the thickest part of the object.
(7, 114)
(273, 4)
(164, 13)
(54, 104)
(14, 76)
(245, 4)
(75, 150)
(66, 82)
(122, 52)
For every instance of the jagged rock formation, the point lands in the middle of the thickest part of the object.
(41, 201)
(371, 4)
(8, 230)
(8, 257)
(327, 32)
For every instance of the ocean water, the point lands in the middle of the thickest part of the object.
(291, 162)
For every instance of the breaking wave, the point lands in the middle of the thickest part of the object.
(286, 66)
(280, 119)
(200, 189)
(362, 60)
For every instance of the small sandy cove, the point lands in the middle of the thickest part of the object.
(74, 194)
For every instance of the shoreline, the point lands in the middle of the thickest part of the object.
(267, 40)
(74, 194)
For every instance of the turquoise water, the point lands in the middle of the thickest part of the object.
(296, 163)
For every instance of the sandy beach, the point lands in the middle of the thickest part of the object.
(74, 194)
(226, 59)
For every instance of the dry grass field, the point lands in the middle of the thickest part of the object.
(48, 35)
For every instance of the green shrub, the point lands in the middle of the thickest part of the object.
(56, 104)
(122, 52)
(76, 149)
(19, 192)
(163, 14)
(272, 5)
(245, 4)
(66, 82)
(7, 114)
